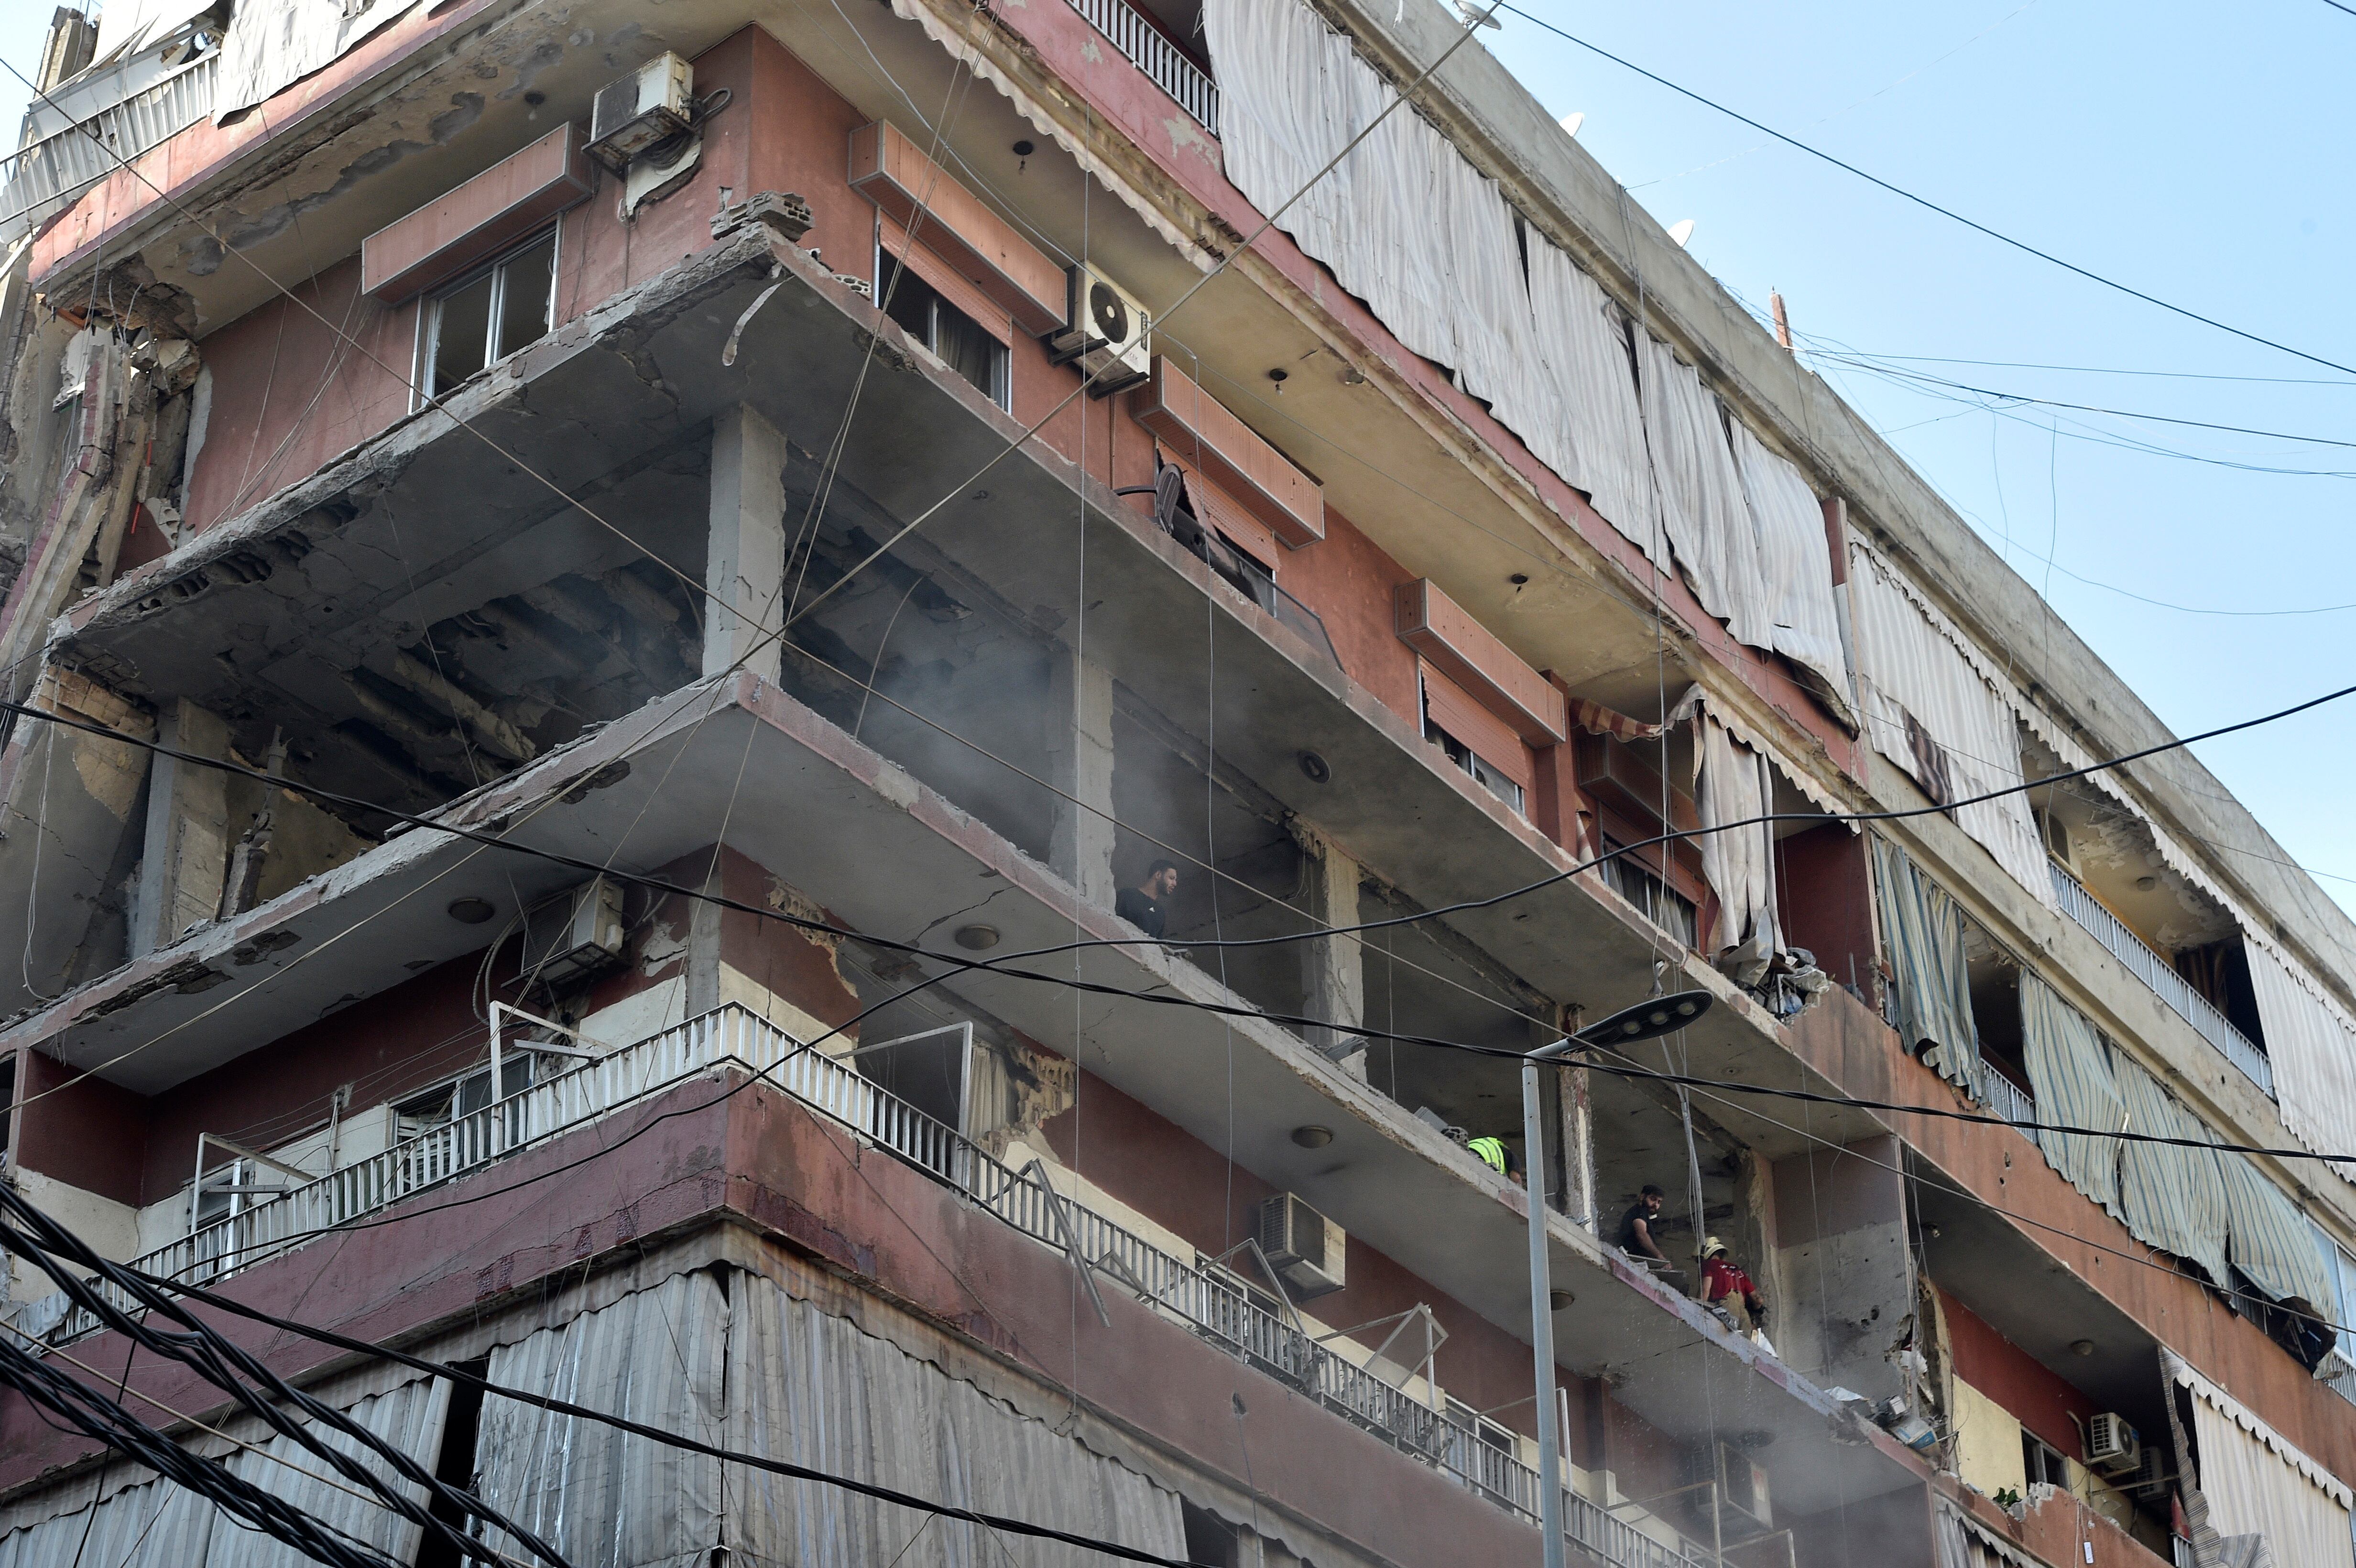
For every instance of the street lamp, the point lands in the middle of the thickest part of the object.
(1661, 1015)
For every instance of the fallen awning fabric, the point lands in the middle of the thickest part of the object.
(2070, 1073)
(1795, 562)
(1702, 509)
(1923, 934)
(2272, 1241)
(1600, 445)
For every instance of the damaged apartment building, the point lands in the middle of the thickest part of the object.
(609, 602)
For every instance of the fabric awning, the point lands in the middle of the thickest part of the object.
(1598, 447)
(1923, 934)
(2249, 1480)
(2070, 1073)
(1702, 509)
(1795, 562)
(2311, 1046)
(1732, 784)
(2171, 1198)
(2272, 1241)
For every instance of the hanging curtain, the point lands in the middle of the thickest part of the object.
(2251, 1481)
(1602, 450)
(1923, 933)
(815, 1389)
(2271, 1240)
(1702, 508)
(1732, 784)
(654, 1356)
(1916, 675)
(2312, 1049)
(2070, 1074)
(1795, 563)
(2171, 1198)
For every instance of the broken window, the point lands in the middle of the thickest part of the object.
(1655, 899)
(2042, 1462)
(461, 1096)
(504, 307)
(956, 338)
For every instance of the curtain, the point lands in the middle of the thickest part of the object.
(409, 1417)
(1701, 500)
(2070, 1074)
(1731, 784)
(654, 1356)
(814, 1389)
(1600, 447)
(2171, 1198)
(2271, 1242)
(2312, 1049)
(1915, 669)
(1795, 562)
(2256, 1483)
(1497, 358)
(1922, 931)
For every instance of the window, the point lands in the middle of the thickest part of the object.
(480, 322)
(1485, 773)
(1655, 899)
(2042, 1462)
(955, 338)
(439, 1106)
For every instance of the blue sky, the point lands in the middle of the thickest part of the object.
(2193, 153)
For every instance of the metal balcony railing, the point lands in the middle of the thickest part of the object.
(2004, 1098)
(2160, 975)
(1206, 1301)
(1156, 56)
(66, 157)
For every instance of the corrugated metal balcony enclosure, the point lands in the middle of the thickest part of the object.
(1204, 1300)
(93, 125)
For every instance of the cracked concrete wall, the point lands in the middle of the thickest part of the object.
(1844, 1300)
(188, 832)
(69, 834)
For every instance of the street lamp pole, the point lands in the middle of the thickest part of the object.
(1661, 1015)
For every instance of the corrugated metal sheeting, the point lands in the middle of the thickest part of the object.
(2311, 1047)
(1912, 664)
(603, 1498)
(1409, 224)
(2070, 1073)
(814, 1389)
(1923, 934)
(157, 1524)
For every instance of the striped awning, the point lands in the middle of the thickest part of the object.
(1922, 931)
(2272, 1241)
(2172, 1199)
(2070, 1073)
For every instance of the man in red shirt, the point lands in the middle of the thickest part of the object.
(1728, 1290)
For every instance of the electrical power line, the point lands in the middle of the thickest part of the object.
(1924, 202)
(27, 1231)
(2094, 369)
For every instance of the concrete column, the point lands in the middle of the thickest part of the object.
(1332, 969)
(1579, 1147)
(1079, 763)
(188, 839)
(703, 938)
(745, 563)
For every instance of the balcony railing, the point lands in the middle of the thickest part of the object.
(2004, 1098)
(2160, 975)
(117, 113)
(1204, 1300)
(1156, 56)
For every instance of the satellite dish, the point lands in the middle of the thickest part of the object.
(1571, 123)
(1680, 231)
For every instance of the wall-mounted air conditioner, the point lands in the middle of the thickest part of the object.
(1106, 330)
(633, 112)
(2057, 842)
(1303, 1246)
(573, 935)
(1743, 1484)
(2112, 1445)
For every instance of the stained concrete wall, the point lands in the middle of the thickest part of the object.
(1841, 1262)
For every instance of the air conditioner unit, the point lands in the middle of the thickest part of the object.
(1743, 1484)
(573, 935)
(2152, 1476)
(2057, 843)
(1106, 330)
(1303, 1246)
(2112, 1445)
(649, 105)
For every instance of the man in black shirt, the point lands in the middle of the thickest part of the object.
(1147, 905)
(1636, 1227)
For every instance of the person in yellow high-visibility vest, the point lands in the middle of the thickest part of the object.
(1498, 1157)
